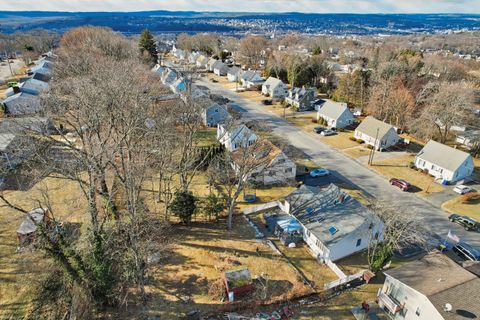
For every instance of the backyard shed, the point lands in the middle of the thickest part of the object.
(238, 281)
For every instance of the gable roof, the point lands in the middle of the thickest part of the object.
(431, 274)
(218, 64)
(234, 70)
(22, 103)
(370, 125)
(28, 226)
(333, 110)
(239, 131)
(272, 82)
(329, 213)
(249, 75)
(464, 298)
(34, 86)
(443, 156)
(263, 151)
(5, 140)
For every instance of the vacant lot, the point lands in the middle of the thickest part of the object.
(203, 251)
(398, 168)
(20, 270)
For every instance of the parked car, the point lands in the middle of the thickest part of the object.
(318, 130)
(320, 172)
(461, 189)
(402, 184)
(466, 251)
(468, 223)
(267, 102)
(328, 132)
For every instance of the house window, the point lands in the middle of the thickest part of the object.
(216, 110)
(359, 242)
(376, 236)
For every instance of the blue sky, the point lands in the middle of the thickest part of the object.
(320, 6)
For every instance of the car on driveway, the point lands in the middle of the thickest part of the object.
(468, 223)
(461, 189)
(320, 172)
(328, 132)
(402, 184)
(318, 130)
(467, 251)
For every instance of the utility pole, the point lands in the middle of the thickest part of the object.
(372, 152)
(8, 62)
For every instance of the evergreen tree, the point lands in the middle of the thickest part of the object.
(148, 47)
(184, 206)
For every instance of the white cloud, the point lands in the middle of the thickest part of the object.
(312, 6)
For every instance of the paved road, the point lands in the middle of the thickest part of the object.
(347, 169)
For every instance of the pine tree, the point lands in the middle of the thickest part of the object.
(147, 46)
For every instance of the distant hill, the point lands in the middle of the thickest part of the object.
(231, 22)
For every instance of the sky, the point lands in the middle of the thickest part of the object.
(313, 6)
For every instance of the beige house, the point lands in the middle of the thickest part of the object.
(376, 133)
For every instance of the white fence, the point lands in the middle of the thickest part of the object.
(261, 207)
(345, 280)
(335, 269)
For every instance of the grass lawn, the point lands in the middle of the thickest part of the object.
(469, 209)
(358, 151)
(303, 120)
(206, 137)
(340, 140)
(203, 251)
(398, 168)
(19, 270)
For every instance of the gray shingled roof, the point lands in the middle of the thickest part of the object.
(443, 156)
(320, 209)
(272, 82)
(333, 110)
(464, 298)
(5, 140)
(370, 125)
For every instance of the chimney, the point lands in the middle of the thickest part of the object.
(16, 89)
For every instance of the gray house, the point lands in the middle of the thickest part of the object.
(21, 104)
(31, 86)
(302, 98)
(376, 133)
(220, 68)
(251, 79)
(336, 114)
(213, 113)
(234, 74)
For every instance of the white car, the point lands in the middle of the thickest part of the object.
(328, 132)
(461, 189)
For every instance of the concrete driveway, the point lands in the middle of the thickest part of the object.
(348, 170)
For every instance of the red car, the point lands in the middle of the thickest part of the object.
(402, 184)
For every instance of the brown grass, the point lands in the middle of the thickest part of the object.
(398, 168)
(469, 208)
(340, 140)
(357, 152)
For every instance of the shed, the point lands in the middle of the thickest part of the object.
(238, 281)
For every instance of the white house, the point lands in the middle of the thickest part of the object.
(274, 167)
(180, 85)
(192, 57)
(377, 133)
(444, 162)
(210, 64)
(274, 88)
(202, 62)
(220, 68)
(251, 79)
(431, 288)
(234, 74)
(236, 136)
(336, 114)
(335, 224)
(178, 53)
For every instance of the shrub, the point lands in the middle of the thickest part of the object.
(340, 130)
(369, 147)
(425, 171)
(360, 141)
(411, 165)
(314, 120)
(352, 139)
(470, 198)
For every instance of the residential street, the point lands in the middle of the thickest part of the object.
(349, 170)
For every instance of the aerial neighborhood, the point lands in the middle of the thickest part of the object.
(239, 175)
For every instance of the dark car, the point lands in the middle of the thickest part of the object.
(468, 223)
(466, 251)
(318, 130)
(402, 184)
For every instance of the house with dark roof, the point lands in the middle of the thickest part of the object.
(431, 288)
(335, 224)
(273, 168)
(444, 162)
(302, 98)
(376, 133)
(335, 114)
